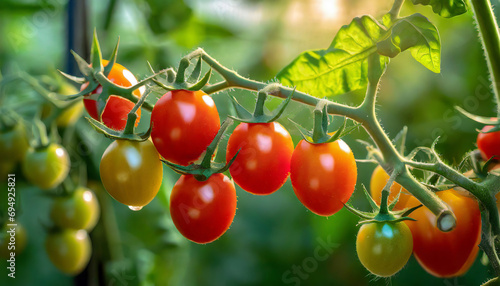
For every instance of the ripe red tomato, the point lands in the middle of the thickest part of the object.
(46, 167)
(384, 247)
(183, 124)
(131, 172)
(447, 254)
(117, 108)
(323, 175)
(79, 210)
(377, 183)
(203, 211)
(263, 163)
(69, 250)
(489, 143)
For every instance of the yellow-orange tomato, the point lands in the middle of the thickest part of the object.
(131, 172)
(377, 183)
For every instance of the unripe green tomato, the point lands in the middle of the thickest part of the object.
(46, 167)
(69, 250)
(80, 210)
(70, 114)
(13, 144)
(12, 239)
(384, 247)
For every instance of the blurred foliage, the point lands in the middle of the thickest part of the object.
(272, 236)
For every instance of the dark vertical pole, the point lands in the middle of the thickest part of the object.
(77, 34)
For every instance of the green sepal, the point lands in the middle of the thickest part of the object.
(112, 59)
(114, 134)
(40, 138)
(479, 119)
(201, 83)
(394, 201)
(361, 214)
(400, 140)
(79, 80)
(260, 115)
(207, 167)
(372, 202)
(195, 74)
(84, 67)
(95, 54)
(91, 87)
(407, 212)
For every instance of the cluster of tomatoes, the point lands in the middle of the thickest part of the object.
(385, 247)
(46, 164)
(183, 124)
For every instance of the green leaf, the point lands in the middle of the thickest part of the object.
(340, 68)
(417, 34)
(444, 8)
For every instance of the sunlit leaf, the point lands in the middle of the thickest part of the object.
(417, 34)
(445, 8)
(340, 68)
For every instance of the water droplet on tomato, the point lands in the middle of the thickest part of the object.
(135, 208)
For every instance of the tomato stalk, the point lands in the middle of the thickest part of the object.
(365, 114)
(490, 39)
(396, 8)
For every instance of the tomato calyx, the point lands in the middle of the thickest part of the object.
(128, 131)
(175, 81)
(259, 115)
(95, 75)
(207, 167)
(384, 212)
(320, 133)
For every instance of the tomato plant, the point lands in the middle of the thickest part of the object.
(203, 211)
(79, 210)
(183, 124)
(489, 143)
(131, 172)
(263, 162)
(46, 167)
(13, 143)
(69, 250)
(323, 175)
(12, 239)
(384, 247)
(377, 183)
(447, 254)
(115, 112)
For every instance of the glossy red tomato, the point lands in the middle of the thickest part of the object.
(183, 124)
(131, 172)
(203, 211)
(447, 254)
(117, 108)
(323, 175)
(263, 163)
(489, 143)
(377, 183)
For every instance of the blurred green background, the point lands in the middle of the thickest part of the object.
(273, 235)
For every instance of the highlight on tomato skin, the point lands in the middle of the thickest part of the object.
(264, 155)
(323, 175)
(446, 254)
(117, 108)
(183, 124)
(203, 211)
(47, 167)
